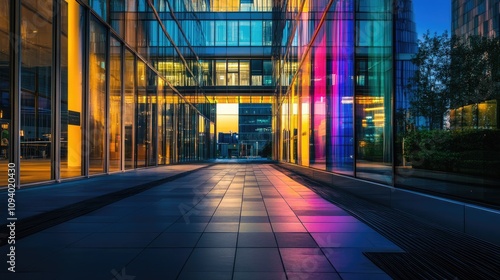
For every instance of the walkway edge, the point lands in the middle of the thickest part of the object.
(39, 222)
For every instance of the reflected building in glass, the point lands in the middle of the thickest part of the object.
(476, 18)
(480, 17)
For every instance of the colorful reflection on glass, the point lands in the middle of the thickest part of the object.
(115, 106)
(374, 92)
(72, 38)
(341, 151)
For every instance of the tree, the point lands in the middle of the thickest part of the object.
(429, 89)
(475, 70)
(453, 72)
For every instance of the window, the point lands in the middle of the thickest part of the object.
(268, 73)
(97, 97)
(232, 33)
(268, 33)
(257, 35)
(220, 72)
(256, 71)
(232, 73)
(244, 33)
(220, 33)
(244, 73)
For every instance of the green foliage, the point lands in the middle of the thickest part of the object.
(468, 151)
(453, 72)
(474, 70)
(428, 85)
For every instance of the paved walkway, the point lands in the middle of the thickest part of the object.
(226, 221)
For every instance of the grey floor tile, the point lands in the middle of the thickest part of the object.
(258, 260)
(305, 260)
(195, 219)
(337, 212)
(284, 219)
(219, 275)
(254, 219)
(210, 260)
(337, 227)
(255, 227)
(314, 276)
(254, 213)
(227, 213)
(176, 239)
(218, 239)
(238, 275)
(93, 263)
(50, 241)
(222, 227)
(256, 239)
(158, 263)
(288, 227)
(381, 243)
(225, 219)
(295, 240)
(328, 219)
(79, 227)
(28, 275)
(187, 227)
(342, 239)
(164, 218)
(116, 240)
(137, 227)
(350, 260)
(365, 276)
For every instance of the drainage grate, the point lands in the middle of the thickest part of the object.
(405, 266)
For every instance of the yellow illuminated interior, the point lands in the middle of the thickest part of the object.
(305, 119)
(241, 99)
(374, 110)
(224, 5)
(75, 82)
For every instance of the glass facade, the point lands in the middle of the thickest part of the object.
(476, 17)
(254, 127)
(454, 154)
(338, 81)
(344, 104)
(100, 88)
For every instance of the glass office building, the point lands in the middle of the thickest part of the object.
(91, 87)
(97, 86)
(255, 128)
(476, 17)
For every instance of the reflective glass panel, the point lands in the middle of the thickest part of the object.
(97, 97)
(36, 92)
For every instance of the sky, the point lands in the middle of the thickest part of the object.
(433, 15)
(227, 117)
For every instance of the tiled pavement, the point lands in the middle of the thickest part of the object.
(227, 221)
